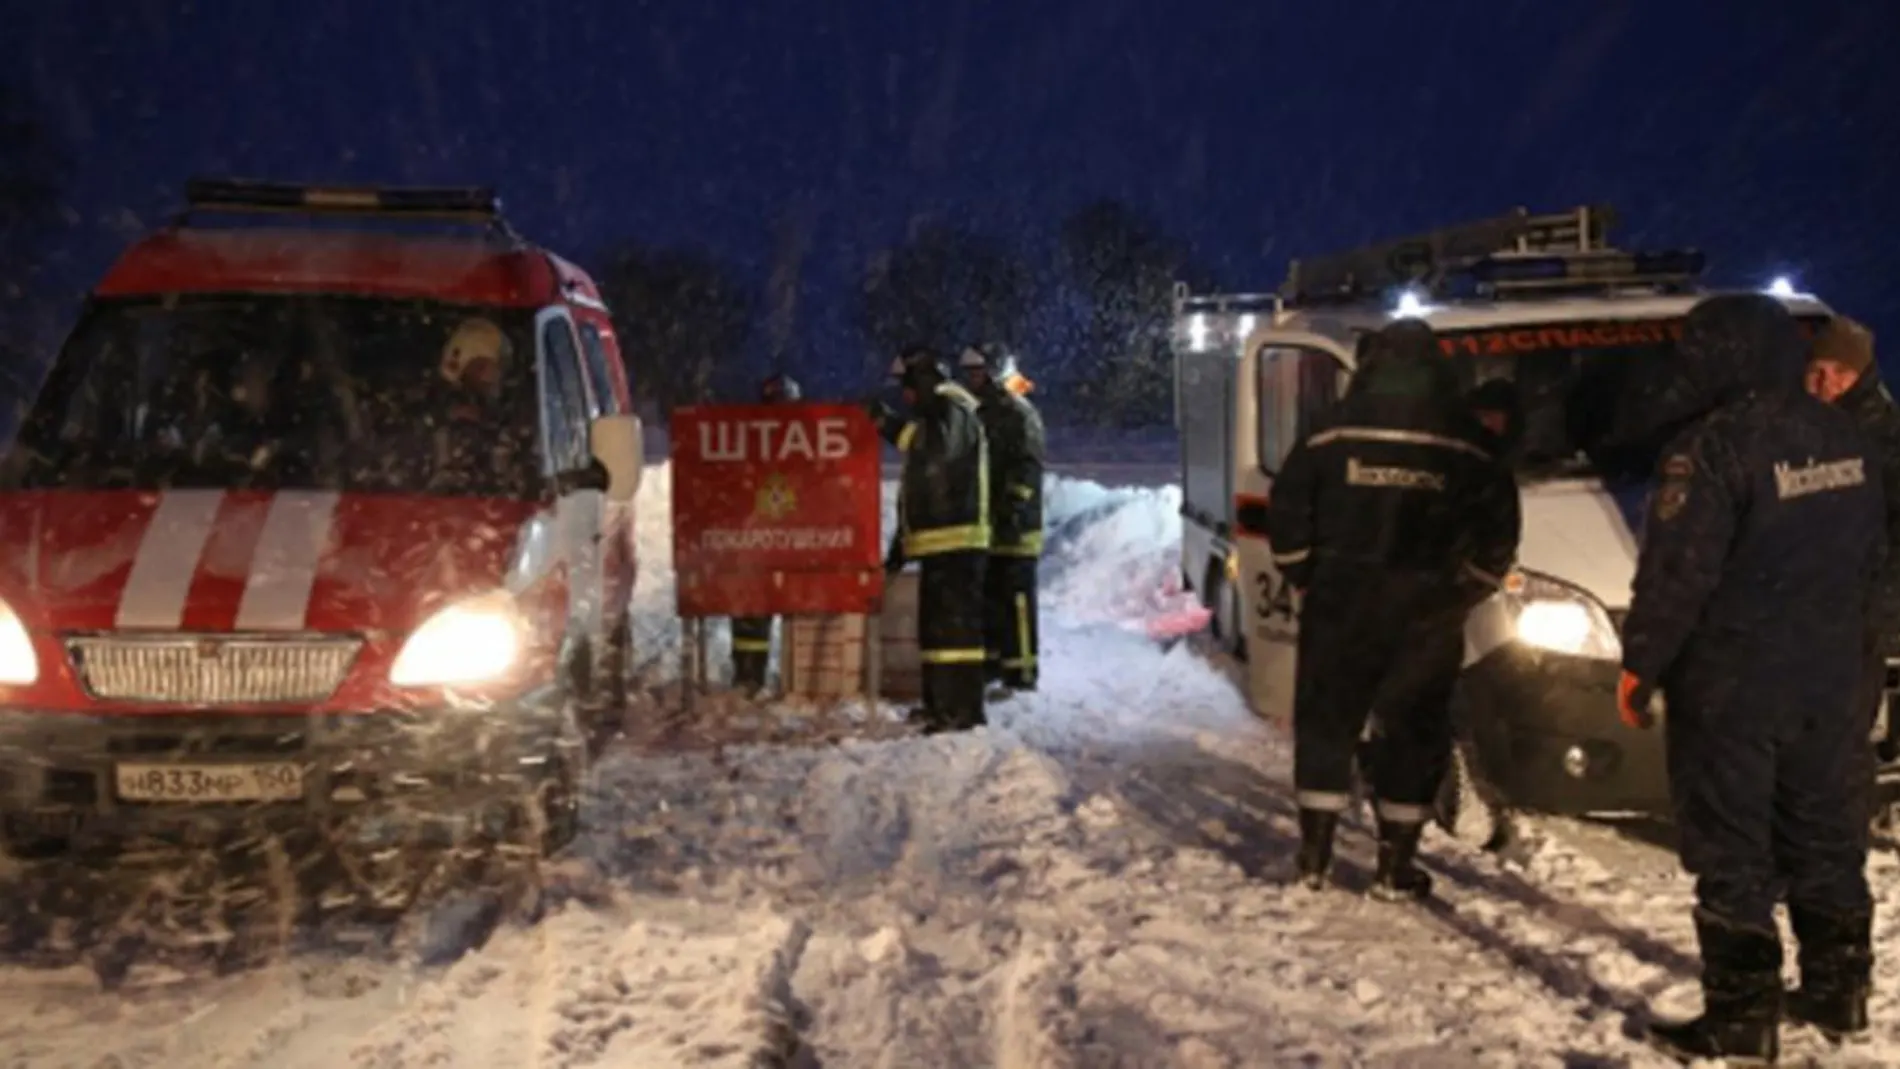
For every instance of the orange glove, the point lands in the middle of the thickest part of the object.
(1632, 702)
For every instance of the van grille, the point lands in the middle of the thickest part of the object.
(212, 669)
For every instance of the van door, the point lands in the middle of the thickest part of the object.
(1291, 387)
(607, 396)
(579, 515)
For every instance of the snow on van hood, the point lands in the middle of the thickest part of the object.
(1581, 532)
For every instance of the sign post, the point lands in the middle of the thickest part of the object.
(775, 512)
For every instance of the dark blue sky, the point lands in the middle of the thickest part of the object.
(1767, 133)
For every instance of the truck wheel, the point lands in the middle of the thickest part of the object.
(112, 962)
(1464, 812)
(617, 664)
(1224, 598)
(559, 802)
(1881, 828)
(562, 814)
(588, 685)
(1883, 824)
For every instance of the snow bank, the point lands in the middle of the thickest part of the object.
(1110, 552)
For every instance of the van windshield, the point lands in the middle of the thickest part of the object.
(1596, 398)
(1583, 391)
(277, 391)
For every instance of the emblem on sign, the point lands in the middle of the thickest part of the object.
(209, 649)
(776, 499)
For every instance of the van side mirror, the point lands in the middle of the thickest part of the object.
(591, 476)
(617, 448)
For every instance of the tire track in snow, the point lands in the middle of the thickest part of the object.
(925, 847)
(1035, 1027)
(265, 1017)
(585, 988)
(936, 992)
(857, 821)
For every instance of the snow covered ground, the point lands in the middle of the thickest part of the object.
(1093, 881)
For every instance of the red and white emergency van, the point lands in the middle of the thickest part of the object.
(316, 519)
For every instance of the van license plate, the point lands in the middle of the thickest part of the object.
(277, 782)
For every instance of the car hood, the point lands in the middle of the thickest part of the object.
(232, 561)
(1584, 533)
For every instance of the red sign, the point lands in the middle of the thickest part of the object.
(775, 510)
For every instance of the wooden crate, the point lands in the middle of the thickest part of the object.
(823, 657)
(902, 666)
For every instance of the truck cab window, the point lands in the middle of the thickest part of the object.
(564, 399)
(1297, 387)
(599, 382)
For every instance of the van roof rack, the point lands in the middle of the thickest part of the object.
(477, 205)
(1186, 301)
(1514, 251)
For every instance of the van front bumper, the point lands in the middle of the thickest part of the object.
(75, 778)
(1548, 739)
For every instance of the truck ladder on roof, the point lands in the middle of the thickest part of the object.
(466, 204)
(1421, 258)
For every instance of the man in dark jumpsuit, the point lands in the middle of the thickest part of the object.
(1842, 371)
(1750, 615)
(943, 523)
(752, 635)
(1013, 428)
(1394, 521)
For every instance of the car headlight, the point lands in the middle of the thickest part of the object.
(18, 664)
(475, 641)
(1559, 618)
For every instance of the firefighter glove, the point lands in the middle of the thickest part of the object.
(1632, 701)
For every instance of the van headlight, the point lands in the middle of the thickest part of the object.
(19, 666)
(474, 641)
(1560, 618)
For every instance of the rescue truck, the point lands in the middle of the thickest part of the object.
(321, 523)
(1581, 330)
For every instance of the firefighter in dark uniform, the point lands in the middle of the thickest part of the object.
(752, 635)
(1013, 428)
(1757, 566)
(943, 523)
(1394, 521)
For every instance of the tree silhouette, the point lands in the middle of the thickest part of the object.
(946, 287)
(683, 321)
(33, 172)
(1125, 269)
(34, 169)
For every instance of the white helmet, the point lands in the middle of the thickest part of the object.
(474, 341)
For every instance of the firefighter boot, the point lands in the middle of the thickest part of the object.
(1315, 858)
(1741, 998)
(965, 694)
(1399, 878)
(1837, 968)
